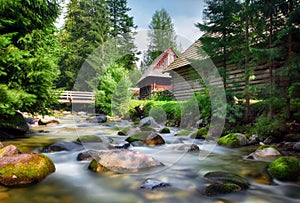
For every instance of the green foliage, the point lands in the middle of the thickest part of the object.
(285, 168)
(113, 94)
(264, 127)
(29, 53)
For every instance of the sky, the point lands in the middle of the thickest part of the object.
(184, 14)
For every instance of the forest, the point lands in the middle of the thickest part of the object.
(255, 144)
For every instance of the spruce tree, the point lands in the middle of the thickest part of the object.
(219, 40)
(122, 27)
(29, 53)
(161, 35)
(86, 28)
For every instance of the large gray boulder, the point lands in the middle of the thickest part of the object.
(122, 161)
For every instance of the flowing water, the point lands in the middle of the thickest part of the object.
(73, 182)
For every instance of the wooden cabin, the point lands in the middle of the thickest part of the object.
(154, 79)
(194, 70)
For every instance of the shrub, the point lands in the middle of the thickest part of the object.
(265, 127)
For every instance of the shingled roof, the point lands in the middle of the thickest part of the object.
(191, 53)
(155, 69)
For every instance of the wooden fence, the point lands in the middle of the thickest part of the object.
(77, 97)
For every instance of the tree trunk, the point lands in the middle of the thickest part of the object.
(271, 61)
(290, 57)
(247, 65)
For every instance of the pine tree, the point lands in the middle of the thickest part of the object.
(86, 28)
(122, 27)
(221, 31)
(161, 35)
(29, 53)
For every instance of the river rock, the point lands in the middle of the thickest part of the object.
(9, 150)
(23, 169)
(148, 121)
(267, 154)
(63, 146)
(285, 168)
(164, 131)
(296, 146)
(154, 184)
(223, 182)
(13, 126)
(48, 121)
(88, 138)
(122, 161)
(200, 133)
(186, 148)
(233, 140)
(84, 156)
(119, 145)
(146, 138)
(97, 119)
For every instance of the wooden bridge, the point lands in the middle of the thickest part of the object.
(77, 97)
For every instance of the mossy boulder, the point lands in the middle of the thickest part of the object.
(12, 126)
(124, 131)
(122, 161)
(199, 134)
(147, 138)
(183, 133)
(285, 168)
(213, 189)
(221, 182)
(233, 140)
(23, 169)
(164, 130)
(88, 138)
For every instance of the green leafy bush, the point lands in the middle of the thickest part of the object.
(265, 127)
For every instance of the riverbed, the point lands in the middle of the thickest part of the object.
(73, 182)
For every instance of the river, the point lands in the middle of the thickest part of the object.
(73, 182)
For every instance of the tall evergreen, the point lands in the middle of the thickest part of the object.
(161, 35)
(29, 53)
(86, 28)
(221, 31)
(122, 27)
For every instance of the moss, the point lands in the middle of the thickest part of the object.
(200, 133)
(285, 168)
(182, 133)
(124, 131)
(165, 130)
(140, 136)
(147, 128)
(230, 140)
(266, 146)
(26, 171)
(89, 138)
(96, 167)
(219, 188)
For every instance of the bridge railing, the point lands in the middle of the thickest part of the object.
(78, 97)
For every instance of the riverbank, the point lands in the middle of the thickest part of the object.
(184, 172)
